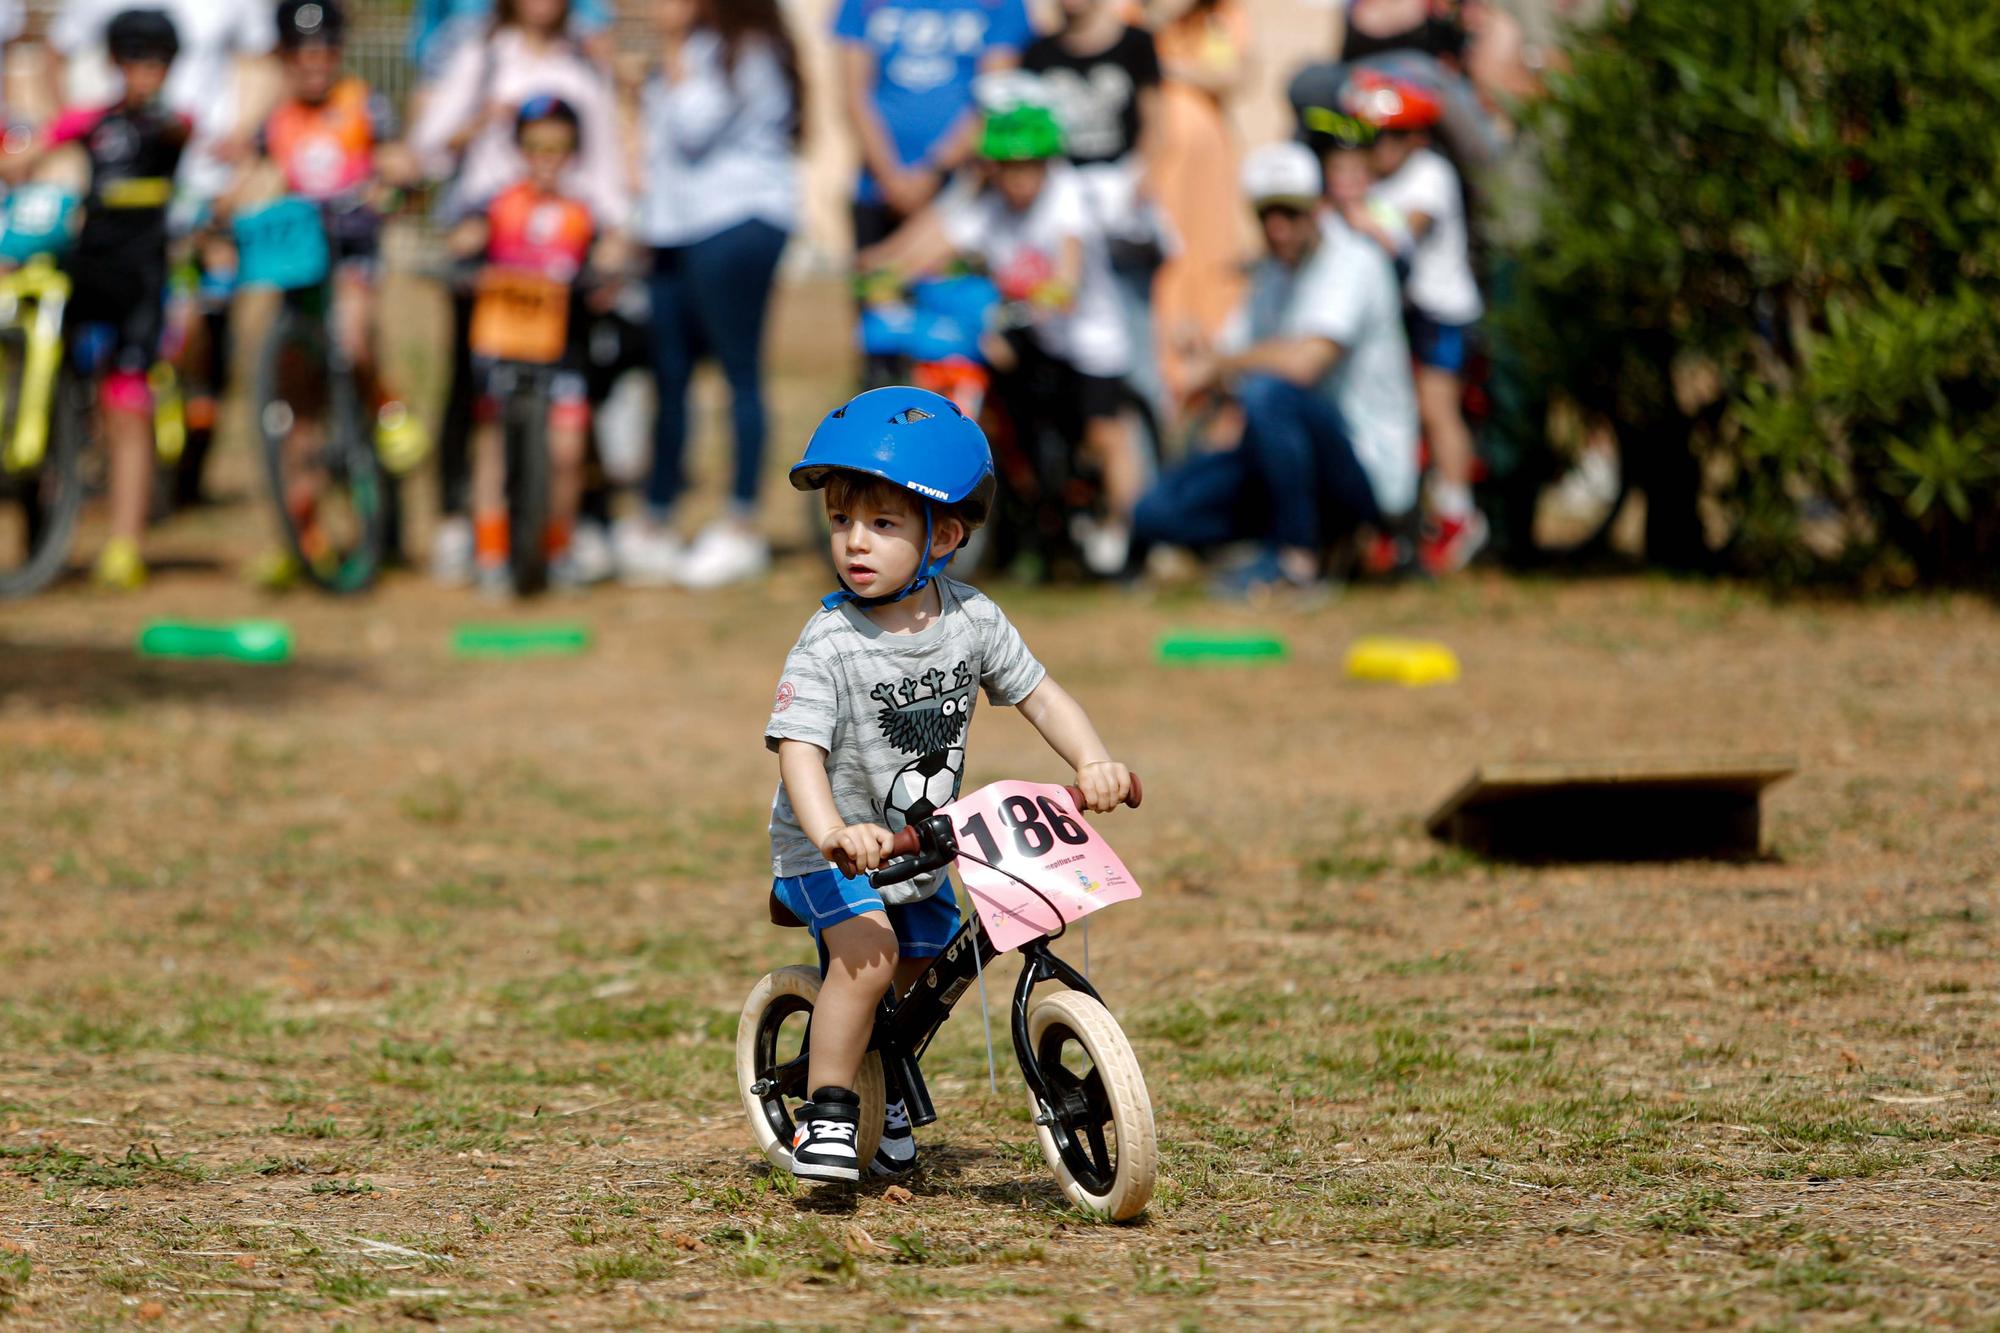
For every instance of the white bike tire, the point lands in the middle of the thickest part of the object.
(787, 986)
(1137, 1167)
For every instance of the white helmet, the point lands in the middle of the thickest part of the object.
(1285, 172)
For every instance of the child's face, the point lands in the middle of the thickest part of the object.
(1348, 177)
(547, 146)
(143, 79)
(1388, 153)
(1289, 233)
(1020, 183)
(878, 542)
(311, 71)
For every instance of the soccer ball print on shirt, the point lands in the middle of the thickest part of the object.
(925, 717)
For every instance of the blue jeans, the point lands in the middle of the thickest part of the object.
(710, 299)
(1293, 481)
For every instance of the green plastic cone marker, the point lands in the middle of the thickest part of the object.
(518, 640)
(237, 641)
(1189, 647)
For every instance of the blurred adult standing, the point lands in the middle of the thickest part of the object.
(906, 73)
(1204, 55)
(1102, 77)
(720, 124)
(438, 28)
(464, 136)
(13, 20)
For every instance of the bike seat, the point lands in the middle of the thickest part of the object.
(781, 915)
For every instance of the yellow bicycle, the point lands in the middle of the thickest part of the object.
(46, 402)
(44, 410)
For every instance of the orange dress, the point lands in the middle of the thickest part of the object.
(1198, 288)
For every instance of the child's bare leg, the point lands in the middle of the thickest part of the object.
(354, 317)
(908, 972)
(128, 433)
(568, 438)
(489, 496)
(861, 962)
(1439, 397)
(1111, 439)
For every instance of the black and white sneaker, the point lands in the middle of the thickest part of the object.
(896, 1155)
(823, 1144)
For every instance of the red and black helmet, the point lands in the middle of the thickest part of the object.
(1389, 103)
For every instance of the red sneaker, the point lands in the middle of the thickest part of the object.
(1450, 543)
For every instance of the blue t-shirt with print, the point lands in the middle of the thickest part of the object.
(927, 53)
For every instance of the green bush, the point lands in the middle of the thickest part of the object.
(1770, 257)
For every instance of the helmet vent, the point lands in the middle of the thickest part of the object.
(910, 416)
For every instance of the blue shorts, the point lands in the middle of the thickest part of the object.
(1443, 347)
(827, 898)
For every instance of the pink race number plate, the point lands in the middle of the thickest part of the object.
(1031, 830)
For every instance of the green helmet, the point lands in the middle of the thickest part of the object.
(1025, 133)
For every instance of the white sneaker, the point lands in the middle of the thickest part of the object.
(1105, 544)
(897, 1153)
(590, 557)
(451, 552)
(647, 556)
(724, 554)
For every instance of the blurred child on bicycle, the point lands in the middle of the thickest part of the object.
(881, 685)
(119, 264)
(1440, 294)
(533, 229)
(330, 140)
(1029, 221)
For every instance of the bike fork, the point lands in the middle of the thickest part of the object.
(1039, 964)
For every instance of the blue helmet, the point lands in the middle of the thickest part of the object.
(912, 438)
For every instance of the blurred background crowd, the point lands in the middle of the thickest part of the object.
(1330, 290)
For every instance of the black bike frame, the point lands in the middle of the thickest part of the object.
(904, 1031)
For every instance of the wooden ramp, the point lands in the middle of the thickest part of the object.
(1612, 810)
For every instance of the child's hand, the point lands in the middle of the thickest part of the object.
(1105, 784)
(858, 847)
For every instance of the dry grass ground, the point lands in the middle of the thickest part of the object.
(386, 986)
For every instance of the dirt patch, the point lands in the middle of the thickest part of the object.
(389, 986)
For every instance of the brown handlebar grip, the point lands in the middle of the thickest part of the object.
(905, 844)
(1132, 800)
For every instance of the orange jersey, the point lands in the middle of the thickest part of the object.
(328, 150)
(539, 233)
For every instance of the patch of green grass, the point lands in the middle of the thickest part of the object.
(349, 1286)
(439, 802)
(16, 1271)
(322, 1128)
(1692, 1213)
(457, 1126)
(601, 1270)
(54, 1165)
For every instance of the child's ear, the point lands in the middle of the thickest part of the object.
(950, 535)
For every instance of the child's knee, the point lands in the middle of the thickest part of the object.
(863, 950)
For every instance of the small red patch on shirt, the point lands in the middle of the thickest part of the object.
(784, 699)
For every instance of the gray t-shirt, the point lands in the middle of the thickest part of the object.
(891, 711)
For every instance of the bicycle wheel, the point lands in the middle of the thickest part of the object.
(39, 506)
(326, 482)
(772, 1040)
(1098, 1135)
(527, 449)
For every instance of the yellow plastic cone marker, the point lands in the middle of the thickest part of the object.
(1401, 661)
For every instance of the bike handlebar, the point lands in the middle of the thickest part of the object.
(908, 842)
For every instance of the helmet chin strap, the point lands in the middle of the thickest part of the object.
(931, 568)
